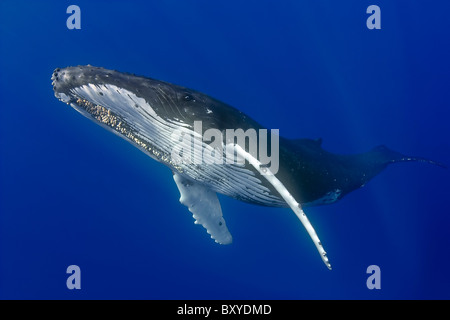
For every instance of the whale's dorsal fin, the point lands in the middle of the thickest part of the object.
(205, 207)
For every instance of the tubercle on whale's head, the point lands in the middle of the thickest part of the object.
(59, 78)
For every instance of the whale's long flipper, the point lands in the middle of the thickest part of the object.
(205, 208)
(295, 206)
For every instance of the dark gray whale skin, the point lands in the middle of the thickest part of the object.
(307, 170)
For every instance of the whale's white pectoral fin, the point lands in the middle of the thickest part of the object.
(295, 206)
(205, 208)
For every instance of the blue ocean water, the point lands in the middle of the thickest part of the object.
(72, 193)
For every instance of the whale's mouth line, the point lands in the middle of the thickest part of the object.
(112, 121)
(109, 118)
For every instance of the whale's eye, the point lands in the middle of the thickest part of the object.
(220, 223)
(188, 97)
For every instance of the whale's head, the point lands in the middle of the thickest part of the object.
(84, 87)
(99, 86)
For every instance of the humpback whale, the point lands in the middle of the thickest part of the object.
(156, 116)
